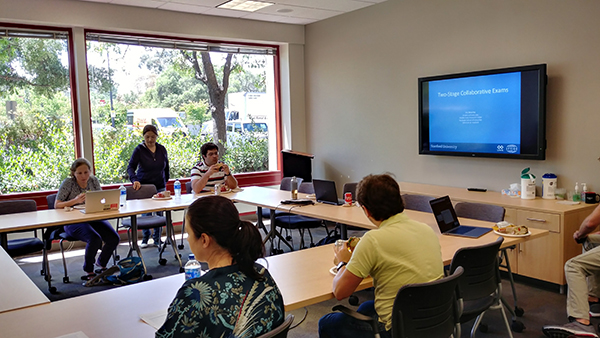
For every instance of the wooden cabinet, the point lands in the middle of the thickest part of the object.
(542, 258)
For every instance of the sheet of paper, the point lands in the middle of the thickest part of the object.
(155, 319)
(74, 335)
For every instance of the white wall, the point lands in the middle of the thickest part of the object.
(361, 73)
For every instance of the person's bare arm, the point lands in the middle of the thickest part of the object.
(77, 200)
(588, 225)
(229, 179)
(345, 283)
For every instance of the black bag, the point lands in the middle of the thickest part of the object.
(330, 238)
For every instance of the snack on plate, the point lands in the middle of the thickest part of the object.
(510, 229)
(352, 242)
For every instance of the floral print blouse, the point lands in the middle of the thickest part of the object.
(224, 303)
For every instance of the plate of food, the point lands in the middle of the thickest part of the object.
(161, 196)
(510, 230)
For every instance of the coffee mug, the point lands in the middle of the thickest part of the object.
(591, 197)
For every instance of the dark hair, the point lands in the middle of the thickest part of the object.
(206, 147)
(148, 128)
(78, 162)
(380, 194)
(218, 217)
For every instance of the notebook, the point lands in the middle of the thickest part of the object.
(101, 200)
(448, 222)
(325, 192)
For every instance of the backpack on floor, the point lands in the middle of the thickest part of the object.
(331, 237)
(131, 270)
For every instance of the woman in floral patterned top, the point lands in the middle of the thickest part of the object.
(236, 297)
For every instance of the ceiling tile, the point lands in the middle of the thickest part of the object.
(138, 3)
(299, 12)
(172, 6)
(335, 5)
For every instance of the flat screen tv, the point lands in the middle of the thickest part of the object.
(492, 113)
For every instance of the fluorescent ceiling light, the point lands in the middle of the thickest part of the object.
(245, 5)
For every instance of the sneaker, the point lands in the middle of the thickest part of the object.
(595, 310)
(573, 328)
(157, 243)
(143, 245)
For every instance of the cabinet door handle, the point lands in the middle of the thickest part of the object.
(536, 220)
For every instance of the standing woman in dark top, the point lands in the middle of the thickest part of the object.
(149, 164)
(235, 298)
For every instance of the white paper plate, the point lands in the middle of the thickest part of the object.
(333, 270)
(161, 198)
(511, 235)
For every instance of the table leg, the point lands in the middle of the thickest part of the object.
(134, 242)
(171, 237)
(4, 240)
(259, 223)
(344, 231)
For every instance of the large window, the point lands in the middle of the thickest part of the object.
(192, 91)
(36, 115)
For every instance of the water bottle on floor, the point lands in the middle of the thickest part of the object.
(177, 188)
(123, 197)
(192, 268)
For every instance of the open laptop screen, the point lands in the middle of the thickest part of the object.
(325, 191)
(444, 213)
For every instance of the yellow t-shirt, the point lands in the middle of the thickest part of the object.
(402, 251)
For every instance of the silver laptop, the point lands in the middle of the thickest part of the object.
(101, 200)
(448, 222)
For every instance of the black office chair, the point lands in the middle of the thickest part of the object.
(417, 202)
(480, 285)
(299, 222)
(494, 213)
(143, 221)
(56, 233)
(429, 310)
(281, 331)
(21, 246)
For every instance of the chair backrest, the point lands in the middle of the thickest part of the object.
(281, 331)
(145, 191)
(188, 187)
(481, 276)
(307, 188)
(16, 206)
(483, 212)
(286, 183)
(51, 199)
(417, 202)
(351, 188)
(428, 309)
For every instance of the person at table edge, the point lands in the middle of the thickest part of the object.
(210, 171)
(583, 279)
(400, 251)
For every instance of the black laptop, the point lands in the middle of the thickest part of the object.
(325, 192)
(448, 222)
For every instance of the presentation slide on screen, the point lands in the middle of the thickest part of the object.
(476, 114)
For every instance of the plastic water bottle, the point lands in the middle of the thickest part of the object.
(192, 268)
(177, 188)
(294, 183)
(123, 197)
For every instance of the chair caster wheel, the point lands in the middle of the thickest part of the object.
(42, 272)
(180, 247)
(148, 277)
(181, 270)
(65, 280)
(52, 290)
(519, 311)
(118, 258)
(288, 238)
(517, 326)
(46, 278)
(312, 245)
(483, 328)
(162, 261)
(353, 300)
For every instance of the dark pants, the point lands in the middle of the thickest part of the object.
(94, 233)
(340, 325)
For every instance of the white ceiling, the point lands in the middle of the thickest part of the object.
(299, 12)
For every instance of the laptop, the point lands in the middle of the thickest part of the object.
(325, 192)
(101, 200)
(448, 222)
